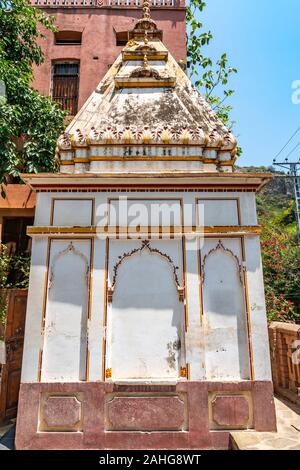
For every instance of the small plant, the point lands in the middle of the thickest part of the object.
(4, 272)
(19, 271)
(4, 266)
(14, 273)
(3, 311)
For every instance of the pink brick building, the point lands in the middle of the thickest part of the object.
(89, 38)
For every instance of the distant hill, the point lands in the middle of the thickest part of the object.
(276, 200)
(280, 250)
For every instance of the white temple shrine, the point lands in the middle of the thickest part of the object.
(146, 321)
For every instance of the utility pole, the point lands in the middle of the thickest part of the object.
(294, 173)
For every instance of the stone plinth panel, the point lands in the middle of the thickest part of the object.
(146, 414)
(60, 413)
(230, 411)
(93, 427)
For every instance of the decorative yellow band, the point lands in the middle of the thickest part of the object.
(66, 162)
(110, 230)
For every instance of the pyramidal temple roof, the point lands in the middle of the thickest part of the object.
(146, 99)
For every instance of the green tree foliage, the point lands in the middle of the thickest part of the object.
(29, 123)
(211, 78)
(14, 273)
(4, 266)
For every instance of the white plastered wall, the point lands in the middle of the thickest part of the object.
(257, 310)
(145, 323)
(34, 314)
(195, 335)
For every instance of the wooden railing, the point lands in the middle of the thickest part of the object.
(107, 3)
(285, 358)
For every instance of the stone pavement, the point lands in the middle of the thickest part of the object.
(286, 438)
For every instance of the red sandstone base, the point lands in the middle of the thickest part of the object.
(190, 415)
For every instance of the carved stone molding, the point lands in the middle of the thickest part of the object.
(70, 249)
(146, 413)
(231, 411)
(143, 135)
(145, 245)
(61, 412)
(221, 247)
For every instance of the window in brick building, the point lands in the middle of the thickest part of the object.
(121, 38)
(67, 38)
(65, 85)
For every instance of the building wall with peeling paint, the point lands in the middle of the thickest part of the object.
(210, 325)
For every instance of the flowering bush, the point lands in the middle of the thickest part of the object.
(281, 261)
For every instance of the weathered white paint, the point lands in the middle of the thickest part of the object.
(226, 349)
(258, 317)
(70, 212)
(138, 151)
(247, 204)
(200, 341)
(34, 314)
(42, 215)
(65, 335)
(145, 212)
(195, 354)
(142, 166)
(96, 330)
(145, 319)
(218, 212)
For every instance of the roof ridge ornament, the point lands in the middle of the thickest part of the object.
(146, 26)
(145, 61)
(146, 10)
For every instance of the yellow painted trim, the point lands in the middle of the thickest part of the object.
(150, 56)
(92, 230)
(141, 84)
(81, 160)
(66, 162)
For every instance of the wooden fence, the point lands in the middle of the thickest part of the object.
(285, 357)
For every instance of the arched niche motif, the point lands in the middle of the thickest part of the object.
(145, 334)
(221, 247)
(66, 315)
(70, 249)
(225, 313)
(145, 246)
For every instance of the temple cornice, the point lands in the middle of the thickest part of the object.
(175, 180)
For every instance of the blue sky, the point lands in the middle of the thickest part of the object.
(262, 39)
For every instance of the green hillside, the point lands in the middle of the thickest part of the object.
(281, 254)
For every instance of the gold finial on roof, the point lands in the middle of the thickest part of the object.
(146, 10)
(145, 25)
